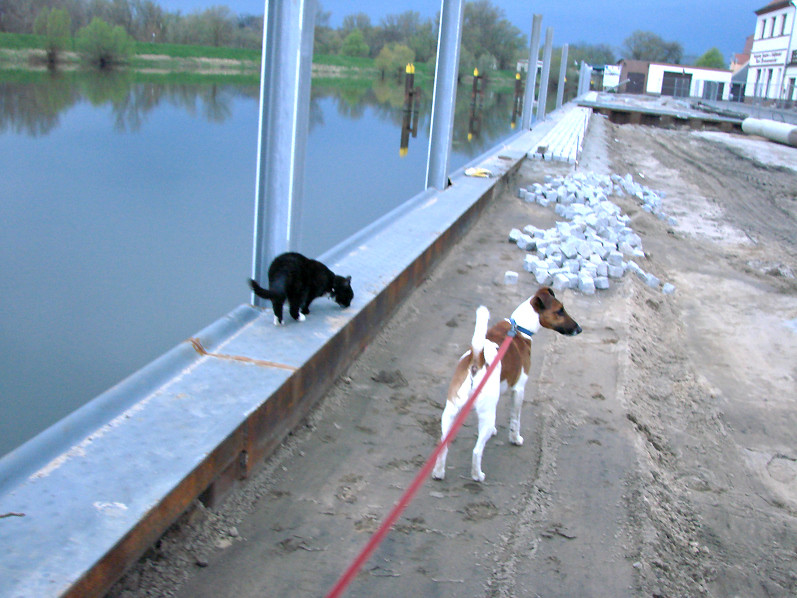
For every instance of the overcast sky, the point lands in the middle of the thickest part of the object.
(696, 24)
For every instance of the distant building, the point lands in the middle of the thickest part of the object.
(740, 60)
(523, 65)
(772, 70)
(639, 76)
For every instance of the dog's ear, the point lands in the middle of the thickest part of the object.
(537, 304)
(549, 290)
(348, 279)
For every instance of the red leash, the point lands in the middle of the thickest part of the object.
(420, 478)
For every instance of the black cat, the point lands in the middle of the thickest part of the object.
(299, 279)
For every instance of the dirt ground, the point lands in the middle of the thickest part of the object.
(659, 455)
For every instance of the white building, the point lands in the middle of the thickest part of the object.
(654, 78)
(689, 81)
(772, 69)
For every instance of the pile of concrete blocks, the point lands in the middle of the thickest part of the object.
(594, 243)
(565, 140)
(649, 199)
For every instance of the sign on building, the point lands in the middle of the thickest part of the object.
(611, 76)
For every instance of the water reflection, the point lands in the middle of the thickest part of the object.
(476, 106)
(31, 103)
(517, 100)
(412, 99)
(143, 224)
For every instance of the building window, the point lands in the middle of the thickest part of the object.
(783, 30)
(768, 83)
(794, 57)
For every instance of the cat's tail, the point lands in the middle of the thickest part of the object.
(264, 293)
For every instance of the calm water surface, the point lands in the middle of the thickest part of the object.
(127, 216)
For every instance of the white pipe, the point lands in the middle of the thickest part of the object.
(772, 130)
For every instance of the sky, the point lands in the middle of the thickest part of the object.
(697, 25)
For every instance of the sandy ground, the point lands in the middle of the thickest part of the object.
(659, 455)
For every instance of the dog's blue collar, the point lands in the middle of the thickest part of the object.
(518, 328)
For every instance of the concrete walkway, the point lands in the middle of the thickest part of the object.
(88, 496)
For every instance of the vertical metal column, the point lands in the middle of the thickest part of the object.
(531, 79)
(546, 72)
(584, 76)
(445, 93)
(285, 71)
(560, 89)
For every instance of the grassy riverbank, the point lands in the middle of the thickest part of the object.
(25, 52)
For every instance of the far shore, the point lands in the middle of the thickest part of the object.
(34, 60)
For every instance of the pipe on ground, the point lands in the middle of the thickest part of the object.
(772, 130)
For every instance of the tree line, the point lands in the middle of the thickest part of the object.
(489, 40)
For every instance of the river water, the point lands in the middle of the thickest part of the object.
(127, 206)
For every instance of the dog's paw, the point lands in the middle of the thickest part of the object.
(439, 475)
(301, 317)
(516, 439)
(278, 322)
(478, 476)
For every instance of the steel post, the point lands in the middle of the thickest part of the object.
(286, 68)
(445, 93)
(584, 76)
(546, 72)
(531, 79)
(560, 89)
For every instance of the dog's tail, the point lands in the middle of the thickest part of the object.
(261, 292)
(479, 336)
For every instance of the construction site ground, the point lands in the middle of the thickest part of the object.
(659, 455)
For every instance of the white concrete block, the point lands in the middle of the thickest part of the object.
(560, 281)
(572, 265)
(652, 281)
(601, 282)
(586, 284)
(584, 249)
(634, 267)
(542, 276)
(667, 288)
(510, 277)
(526, 242)
(555, 257)
(569, 248)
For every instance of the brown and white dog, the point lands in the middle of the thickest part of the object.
(543, 310)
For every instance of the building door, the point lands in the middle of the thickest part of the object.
(713, 90)
(636, 83)
(676, 84)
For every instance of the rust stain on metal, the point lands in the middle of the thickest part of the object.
(197, 344)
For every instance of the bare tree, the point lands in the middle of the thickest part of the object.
(645, 45)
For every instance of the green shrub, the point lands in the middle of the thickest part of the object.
(354, 44)
(104, 46)
(54, 24)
